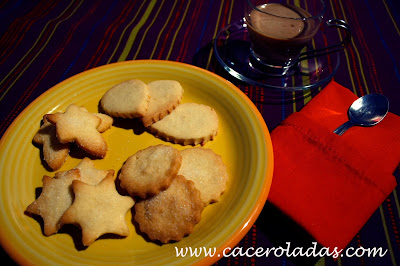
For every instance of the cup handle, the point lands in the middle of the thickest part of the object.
(338, 23)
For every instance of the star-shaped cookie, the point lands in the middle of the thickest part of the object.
(79, 126)
(55, 199)
(90, 174)
(106, 120)
(98, 210)
(54, 152)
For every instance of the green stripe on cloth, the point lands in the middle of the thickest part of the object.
(135, 30)
(162, 30)
(176, 32)
(391, 17)
(345, 53)
(365, 84)
(147, 29)
(217, 27)
(387, 235)
(123, 33)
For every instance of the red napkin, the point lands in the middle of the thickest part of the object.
(330, 184)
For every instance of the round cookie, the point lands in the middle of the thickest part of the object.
(150, 170)
(128, 99)
(207, 170)
(172, 214)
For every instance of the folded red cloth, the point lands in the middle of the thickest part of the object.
(330, 184)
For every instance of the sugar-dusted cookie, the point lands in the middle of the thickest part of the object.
(79, 126)
(106, 120)
(188, 124)
(98, 210)
(172, 214)
(207, 170)
(150, 170)
(55, 199)
(165, 96)
(91, 175)
(54, 152)
(128, 99)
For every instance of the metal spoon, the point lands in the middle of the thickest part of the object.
(368, 110)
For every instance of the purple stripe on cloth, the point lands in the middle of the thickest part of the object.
(384, 42)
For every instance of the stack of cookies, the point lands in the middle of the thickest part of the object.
(76, 125)
(172, 188)
(84, 196)
(158, 105)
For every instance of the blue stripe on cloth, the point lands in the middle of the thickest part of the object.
(204, 27)
(395, 67)
(5, 11)
(65, 74)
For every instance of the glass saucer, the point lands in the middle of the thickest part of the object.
(232, 50)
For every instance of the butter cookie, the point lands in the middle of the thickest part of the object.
(207, 170)
(150, 170)
(98, 210)
(172, 214)
(128, 99)
(79, 126)
(56, 197)
(54, 152)
(165, 96)
(188, 124)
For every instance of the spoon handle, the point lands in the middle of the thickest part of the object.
(340, 130)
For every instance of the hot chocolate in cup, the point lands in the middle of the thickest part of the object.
(279, 31)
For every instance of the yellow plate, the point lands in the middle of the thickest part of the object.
(243, 142)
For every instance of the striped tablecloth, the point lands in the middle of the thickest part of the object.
(44, 42)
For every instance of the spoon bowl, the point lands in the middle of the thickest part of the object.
(368, 110)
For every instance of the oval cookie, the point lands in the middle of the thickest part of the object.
(150, 170)
(188, 124)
